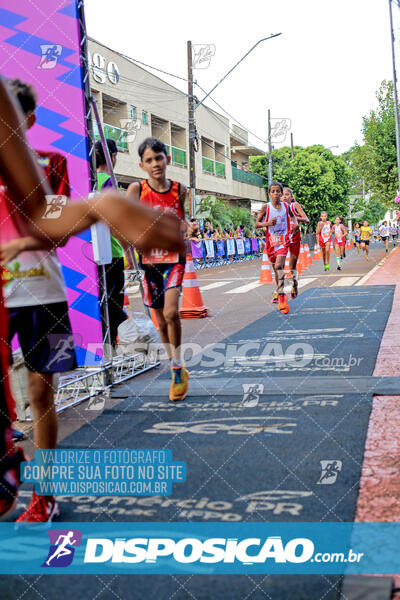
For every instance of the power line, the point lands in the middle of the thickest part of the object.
(178, 92)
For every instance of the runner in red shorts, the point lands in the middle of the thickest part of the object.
(324, 237)
(340, 232)
(275, 218)
(299, 216)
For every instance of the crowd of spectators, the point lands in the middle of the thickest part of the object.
(209, 231)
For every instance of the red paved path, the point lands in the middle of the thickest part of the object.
(379, 497)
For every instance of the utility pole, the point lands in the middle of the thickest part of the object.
(291, 146)
(192, 135)
(269, 149)
(396, 102)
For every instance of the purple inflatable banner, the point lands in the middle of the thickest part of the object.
(40, 44)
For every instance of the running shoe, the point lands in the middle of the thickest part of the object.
(10, 482)
(328, 267)
(41, 509)
(283, 304)
(179, 384)
(295, 290)
(275, 298)
(339, 268)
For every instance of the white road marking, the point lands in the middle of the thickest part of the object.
(245, 288)
(305, 281)
(345, 281)
(216, 284)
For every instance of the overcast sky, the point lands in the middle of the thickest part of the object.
(322, 72)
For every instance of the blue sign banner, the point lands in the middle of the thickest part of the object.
(247, 246)
(199, 548)
(220, 247)
(100, 472)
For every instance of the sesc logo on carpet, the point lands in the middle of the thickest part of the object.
(61, 551)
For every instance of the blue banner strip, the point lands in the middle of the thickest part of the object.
(199, 548)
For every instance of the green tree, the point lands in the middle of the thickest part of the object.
(376, 160)
(319, 179)
(221, 214)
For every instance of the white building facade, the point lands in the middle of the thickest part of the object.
(134, 104)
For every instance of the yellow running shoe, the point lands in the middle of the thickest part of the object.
(275, 298)
(179, 384)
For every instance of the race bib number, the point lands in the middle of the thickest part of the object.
(326, 233)
(277, 239)
(156, 257)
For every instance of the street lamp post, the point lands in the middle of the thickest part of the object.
(396, 102)
(235, 65)
(193, 105)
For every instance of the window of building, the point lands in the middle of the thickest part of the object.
(144, 117)
(132, 112)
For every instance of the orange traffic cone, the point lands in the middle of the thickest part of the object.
(316, 253)
(332, 250)
(301, 258)
(308, 255)
(192, 303)
(265, 275)
(299, 267)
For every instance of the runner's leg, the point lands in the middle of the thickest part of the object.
(41, 401)
(283, 305)
(337, 250)
(173, 322)
(293, 269)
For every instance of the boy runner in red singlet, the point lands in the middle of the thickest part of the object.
(299, 216)
(163, 272)
(340, 233)
(23, 188)
(275, 218)
(324, 237)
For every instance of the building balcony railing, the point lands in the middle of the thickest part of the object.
(219, 169)
(208, 165)
(213, 167)
(178, 156)
(114, 133)
(247, 177)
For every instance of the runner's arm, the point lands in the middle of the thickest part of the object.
(182, 197)
(303, 217)
(319, 227)
(28, 188)
(260, 223)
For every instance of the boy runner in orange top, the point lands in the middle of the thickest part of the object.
(275, 218)
(23, 188)
(324, 237)
(299, 216)
(163, 272)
